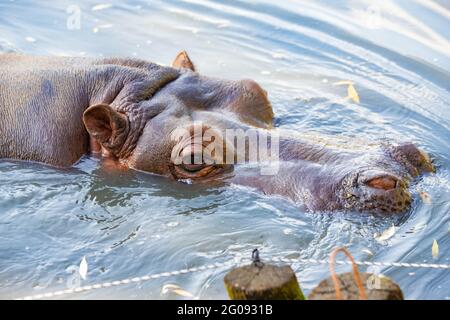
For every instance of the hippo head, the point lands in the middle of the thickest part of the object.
(156, 133)
(141, 134)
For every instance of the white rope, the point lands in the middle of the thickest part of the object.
(366, 263)
(129, 280)
(235, 262)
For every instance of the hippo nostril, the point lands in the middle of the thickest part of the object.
(384, 182)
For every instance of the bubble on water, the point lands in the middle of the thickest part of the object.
(102, 26)
(106, 26)
(188, 28)
(223, 25)
(173, 224)
(30, 39)
(279, 55)
(288, 231)
(187, 181)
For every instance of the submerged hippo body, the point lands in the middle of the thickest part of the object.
(55, 110)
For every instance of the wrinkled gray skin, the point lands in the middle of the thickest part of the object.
(55, 110)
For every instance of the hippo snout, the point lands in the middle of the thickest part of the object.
(377, 191)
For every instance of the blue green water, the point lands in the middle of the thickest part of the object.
(129, 224)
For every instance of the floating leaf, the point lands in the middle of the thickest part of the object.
(386, 234)
(343, 82)
(425, 197)
(351, 91)
(177, 290)
(352, 94)
(83, 268)
(435, 249)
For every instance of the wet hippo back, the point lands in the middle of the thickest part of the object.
(41, 106)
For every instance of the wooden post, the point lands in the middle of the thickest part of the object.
(260, 281)
(354, 285)
(376, 288)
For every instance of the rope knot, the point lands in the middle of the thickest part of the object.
(256, 259)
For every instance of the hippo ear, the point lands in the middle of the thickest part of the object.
(182, 60)
(106, 125)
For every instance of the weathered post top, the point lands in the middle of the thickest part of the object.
(260, 281)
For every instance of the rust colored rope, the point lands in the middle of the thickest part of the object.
(337, 288)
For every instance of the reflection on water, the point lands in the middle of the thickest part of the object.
(128, 223)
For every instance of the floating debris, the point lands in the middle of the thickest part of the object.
(83, 268)
(426, 198)
(435, 249)
(386, 234)
(352, 94)
(351, 91)
(168, 288)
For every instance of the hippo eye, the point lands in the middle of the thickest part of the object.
(194, 163)
(192, 171)
(193, 167)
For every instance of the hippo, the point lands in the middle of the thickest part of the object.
(54, 110)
